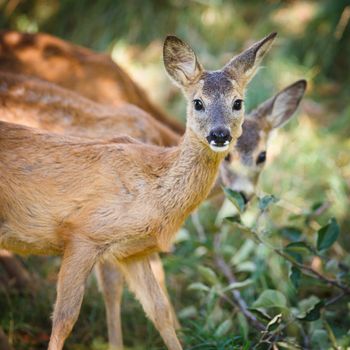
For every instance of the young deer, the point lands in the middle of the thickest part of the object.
(40, 104)
(90, 200)
(249, 158)
(91, 74)
(250, 154)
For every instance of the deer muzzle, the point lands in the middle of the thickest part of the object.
(219, 139)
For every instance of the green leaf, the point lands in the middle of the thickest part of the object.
(295, 275)
(298, 247)
(208, 274)
(327, 235)
(246, 266)
(243, 325)
(261, 313)
(288, 344)
(244, 230)
(233, 219)
(263, 345)
(238, 285)
(211, 300)
(271, 298)
(266, 201)
(198, 286)
(290, 232)
(307, 303)
(296, 257)
(317, 205)
(188, 312)
(320, 340)
(274, 323)
(243, 253)
(235, 198)
(223, 328)
(312, 314)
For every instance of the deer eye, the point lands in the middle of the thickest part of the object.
(198, 105)
(261, 158)
(237, 105)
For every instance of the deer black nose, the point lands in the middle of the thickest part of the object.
(219, 136)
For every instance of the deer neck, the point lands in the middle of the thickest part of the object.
(187, 181)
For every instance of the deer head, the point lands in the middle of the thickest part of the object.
(215, 107)
(251, 149)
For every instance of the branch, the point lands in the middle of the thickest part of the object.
(314, 273)
(335, 299)
(236, 295)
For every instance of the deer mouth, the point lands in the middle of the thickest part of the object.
(219, 146)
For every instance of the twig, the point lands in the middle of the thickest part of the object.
(318, 212)
(273, 334)
(306, 339)
(315, 273)
(335, 299)
(342, 23)
(237, 298)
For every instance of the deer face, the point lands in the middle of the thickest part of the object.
(251, 151)
(215, 106)
(215, 110)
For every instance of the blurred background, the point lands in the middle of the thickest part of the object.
(308, 168)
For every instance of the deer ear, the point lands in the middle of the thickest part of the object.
(243, 66)
(180, 61)
(285, 103)
(280, 108)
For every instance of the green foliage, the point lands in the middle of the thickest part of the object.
(327, 235)
(235, 198)
(274, 323)
(266, 201)
(295, 275)
(269, 299)
(314, 313)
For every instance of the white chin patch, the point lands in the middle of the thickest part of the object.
(216, 148)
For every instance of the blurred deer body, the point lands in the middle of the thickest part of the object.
(87, 200)
(39, 104)
(93, 75)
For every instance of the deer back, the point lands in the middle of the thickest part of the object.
(91, 74)
(36, 103)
